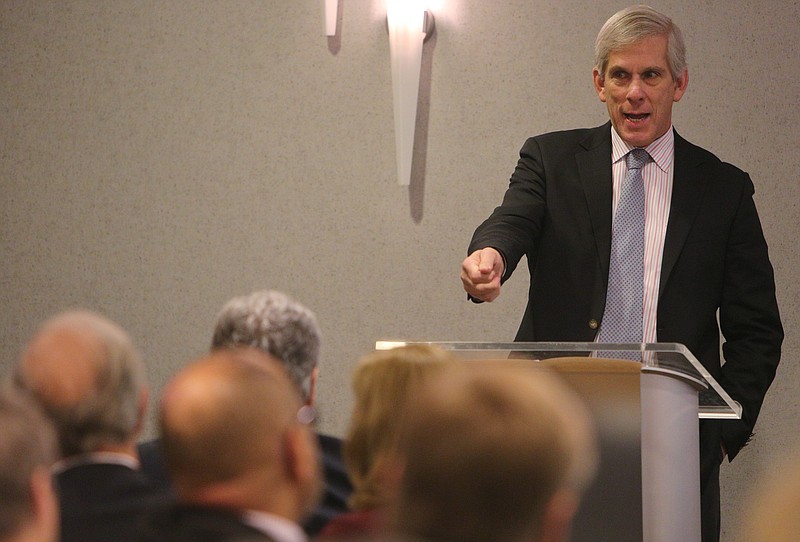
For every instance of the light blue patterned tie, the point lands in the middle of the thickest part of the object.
(622, 319)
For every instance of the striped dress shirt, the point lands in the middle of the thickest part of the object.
(657, 177)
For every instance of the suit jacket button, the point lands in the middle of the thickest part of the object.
(593, 324)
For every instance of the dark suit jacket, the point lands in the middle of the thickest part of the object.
(199, 524)
(338, 487)
(101, 502)
(337, 483)
(558, 211)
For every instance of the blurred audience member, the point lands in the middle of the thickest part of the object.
(280, 326)
(28, 505)
(774, 515)
(384, 383)
(492, 454)
(243, 461)
(85, 373)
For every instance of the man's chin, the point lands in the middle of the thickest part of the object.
(636, 138)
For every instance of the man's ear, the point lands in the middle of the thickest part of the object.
(557, 517)
(599, 84)
(680, 85)
(44, 504)
(312, 387)
(301, 455)
(144, 398)
(303, 466)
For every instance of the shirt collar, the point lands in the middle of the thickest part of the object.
(279, 528)
(661, 151)
(94, 458)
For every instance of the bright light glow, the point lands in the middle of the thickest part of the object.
(388, 345)
(331, 7)
(406, 18)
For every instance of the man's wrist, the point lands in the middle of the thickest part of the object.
(503, 259)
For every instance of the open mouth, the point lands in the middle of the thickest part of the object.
(636, 117)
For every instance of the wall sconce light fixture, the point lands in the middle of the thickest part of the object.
(331, 8)
(409, 23)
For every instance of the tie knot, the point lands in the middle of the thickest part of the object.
(637, 158)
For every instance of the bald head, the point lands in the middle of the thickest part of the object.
(85, 373)
(229, 426)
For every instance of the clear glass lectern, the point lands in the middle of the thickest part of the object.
(713, 401)
(672, 392)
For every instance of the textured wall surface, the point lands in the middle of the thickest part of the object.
(158, 158)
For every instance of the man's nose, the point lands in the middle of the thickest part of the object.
(635, 90)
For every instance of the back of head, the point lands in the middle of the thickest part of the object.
(485, 453)
(85, 373)
(384, 383)
(224, 421)
(632, 24)
(27, 448)
(276, 324)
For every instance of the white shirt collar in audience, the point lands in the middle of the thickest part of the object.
(281, 529)
(94, 458)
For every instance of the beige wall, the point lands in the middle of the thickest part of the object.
(159, 157)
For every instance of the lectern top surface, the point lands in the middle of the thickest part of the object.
(667, 358)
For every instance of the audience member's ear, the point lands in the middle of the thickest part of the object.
(303, 464)
(301, 456)
(557, 518)
(144, 399)
(45, 504)
(312, 387)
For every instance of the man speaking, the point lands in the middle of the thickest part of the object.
(633, 234)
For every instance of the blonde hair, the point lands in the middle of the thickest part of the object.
(384, 383)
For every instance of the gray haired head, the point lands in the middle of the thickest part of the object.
(277, 324)
(632, 24)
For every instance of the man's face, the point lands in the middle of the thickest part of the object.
(639, 90)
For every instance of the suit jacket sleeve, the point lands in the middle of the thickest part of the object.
(749, 320)
(513, 227)
(717, 278)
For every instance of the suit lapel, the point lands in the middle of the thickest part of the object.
(688, 186)
(594, 169)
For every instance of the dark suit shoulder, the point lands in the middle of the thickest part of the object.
(102, 501)
(182, 523)
(103, 485)
(696, 155)
(338, 487)
(152, 464)
(559, 139)
(556, 149)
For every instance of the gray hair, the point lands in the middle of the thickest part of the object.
(110, 412)
(274, 323)
(633, 24)
(27, 442)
